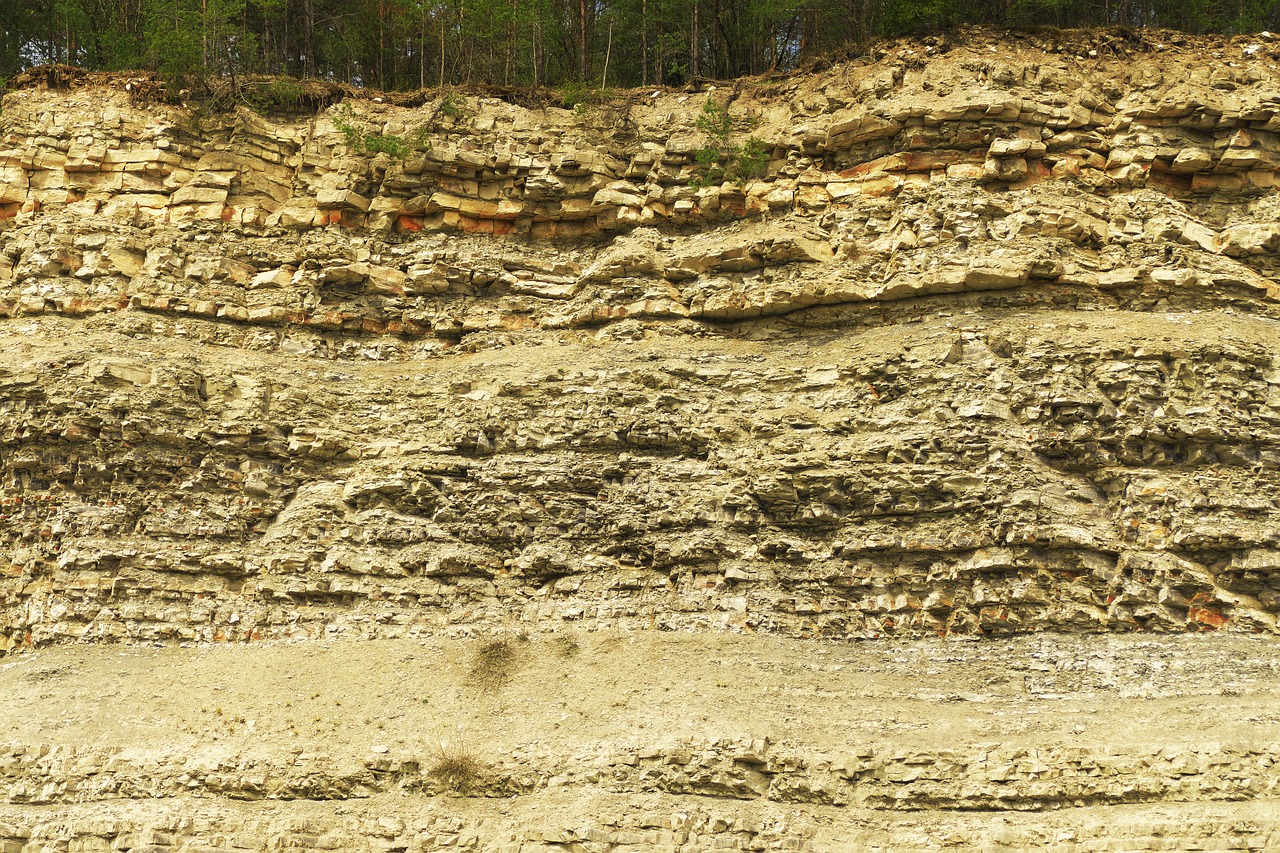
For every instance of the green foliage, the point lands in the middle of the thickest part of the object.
(419, 140)
(390, 145)
(344, 121)
(413, 44)
(286, 93)
(274, 96)
(173, 49)
(362, 141)
(905, 16)
(753, 159)
(581, 97)
(721, 160)
(714, 121)
(453, 106)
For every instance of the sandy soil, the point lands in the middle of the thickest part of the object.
(568, 692)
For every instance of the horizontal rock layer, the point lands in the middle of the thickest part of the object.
(620, 741)
(1024, 474)
(664, 827)
(986, 779)
(985, 348)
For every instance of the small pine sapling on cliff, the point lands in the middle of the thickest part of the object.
(721, 159)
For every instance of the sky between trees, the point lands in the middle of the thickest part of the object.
(407, 44)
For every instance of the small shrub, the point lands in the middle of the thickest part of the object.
(714, 121)
(271, 96)
(453, 106)
(566, 645)
(452, 110)
(284, 94)
(344, 121)
(363, 142)
(712, 173)
(392, 145)
(722, 160)
(753, 159)
(581, 97)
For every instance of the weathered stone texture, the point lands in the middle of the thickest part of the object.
(988, 347)
(260, 384)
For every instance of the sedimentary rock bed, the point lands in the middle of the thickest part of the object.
(986, 346)
(648, 741)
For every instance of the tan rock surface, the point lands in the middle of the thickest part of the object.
(648, 741)
(986, 358)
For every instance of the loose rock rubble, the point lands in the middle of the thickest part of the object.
(986, 348)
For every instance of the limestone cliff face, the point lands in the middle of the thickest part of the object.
(991, 348)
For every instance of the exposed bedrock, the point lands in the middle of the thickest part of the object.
(491, 478)
(1006, 470)
(989, 346)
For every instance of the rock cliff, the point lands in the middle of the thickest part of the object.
(982, 343)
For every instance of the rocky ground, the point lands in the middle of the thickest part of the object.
(479, 474)
(648, 740)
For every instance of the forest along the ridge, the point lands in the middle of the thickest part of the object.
(408, 44)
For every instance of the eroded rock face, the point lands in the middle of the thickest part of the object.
(989, 351)
(983, 352)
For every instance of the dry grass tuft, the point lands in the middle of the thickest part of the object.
(494, 664)
(456, 768)
(566, 645)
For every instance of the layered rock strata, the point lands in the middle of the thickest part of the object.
(984, 351)
(986, 347)
(648, 741)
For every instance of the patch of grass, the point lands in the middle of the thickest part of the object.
(494, 664)
(566, 646)
(455, 767)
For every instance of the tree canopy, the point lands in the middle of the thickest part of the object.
(405, 44)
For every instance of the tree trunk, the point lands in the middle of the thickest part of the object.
(582, 40)
(309, 37)
(382, 44)
(694, 71)
(604, 78)
(644, 42)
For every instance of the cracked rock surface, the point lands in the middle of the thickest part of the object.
(986, 352)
